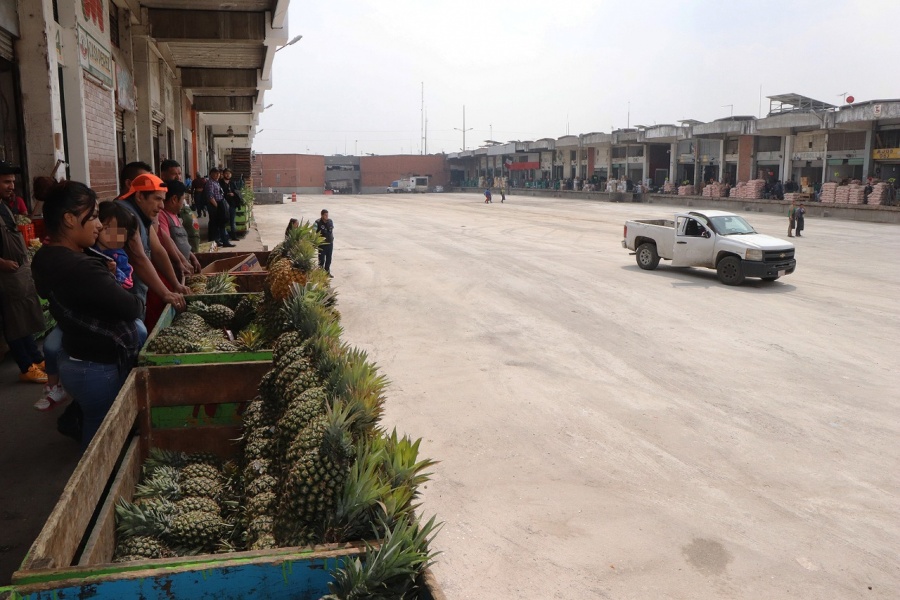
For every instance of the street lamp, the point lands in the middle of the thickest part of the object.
(268, 106)
(291, 43)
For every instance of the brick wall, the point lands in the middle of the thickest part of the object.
(745, 157)
(101, 137)
(289, 171)
(380, 171)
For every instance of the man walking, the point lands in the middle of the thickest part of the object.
(325, 228)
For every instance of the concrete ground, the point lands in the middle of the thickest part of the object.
(606, 432)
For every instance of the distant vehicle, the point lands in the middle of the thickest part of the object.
(713, 239)
(416, 184)
(438, 188)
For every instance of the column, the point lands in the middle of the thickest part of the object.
(73, 89)
(178, 100)
(143, 120)
(721, 159)
(786, 161)
(868, 167)
(41, 108)
(646, 164)
(673, 161)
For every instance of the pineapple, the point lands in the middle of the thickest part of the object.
(196, 530)
(281, 277)
(173, 345)
(199, 469)
(250, 339)
(285, 342)
(218, 316)
(201, 486)
(246, 311)
(262, 504)
(265, 541)
(197, 503)
(317, 463)
(300, 411)
(225, 346)
(302, 371)
(220, 283)
(261, 485)
(141, 547)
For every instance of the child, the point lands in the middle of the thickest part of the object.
(292, 224)
(119, 225)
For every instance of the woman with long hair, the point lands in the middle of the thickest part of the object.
(97, 316)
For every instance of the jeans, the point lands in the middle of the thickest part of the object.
(325, 256)
(94, 386)
(25, 351)
(52, 348)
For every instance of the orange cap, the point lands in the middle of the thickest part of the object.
(147, 182)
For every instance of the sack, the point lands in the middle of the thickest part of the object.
(71, 422)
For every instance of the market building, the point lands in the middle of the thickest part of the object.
(800, 138)
(95, 84)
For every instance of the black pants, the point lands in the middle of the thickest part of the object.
(325, 257)
(25, 351)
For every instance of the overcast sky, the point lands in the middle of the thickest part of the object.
(530, 69)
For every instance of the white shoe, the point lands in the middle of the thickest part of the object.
(51, 396)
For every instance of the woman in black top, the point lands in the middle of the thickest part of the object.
(96, 315)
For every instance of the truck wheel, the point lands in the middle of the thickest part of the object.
(730, 271)
(646, 256)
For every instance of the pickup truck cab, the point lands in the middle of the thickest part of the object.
(713, 239)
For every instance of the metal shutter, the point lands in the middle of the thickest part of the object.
(120, 120)
(6, 45)
(155, 129)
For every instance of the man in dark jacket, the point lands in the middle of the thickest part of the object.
(218, 210)
(233, 198)
(325, 228)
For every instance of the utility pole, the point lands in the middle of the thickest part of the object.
(422, 145)
(426, 133)
(464, 130)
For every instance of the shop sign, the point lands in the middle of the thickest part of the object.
(95, 58)
(877, 110)
(886, 154)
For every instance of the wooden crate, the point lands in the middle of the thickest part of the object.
(207, 257)
(147, 358)
(174, 408)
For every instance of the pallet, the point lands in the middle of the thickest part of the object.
(72, 556)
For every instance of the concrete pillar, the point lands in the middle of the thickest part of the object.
(609, 160)
(178, 99)
(73, 90)
(645, 172)
(721, 159)
(825, 174)
(698, 168)
(143, 119)
(673, 161)
(41, 107)
(868, 167)
(786, 161)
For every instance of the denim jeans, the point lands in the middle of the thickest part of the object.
(94, 386)
(52, 348)
(25, 351)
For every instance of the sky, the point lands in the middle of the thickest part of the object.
(531, 69)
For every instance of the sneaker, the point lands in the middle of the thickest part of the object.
(51, 396)
(34, 375)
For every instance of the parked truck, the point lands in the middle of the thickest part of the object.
(412, 185)
(713, 239)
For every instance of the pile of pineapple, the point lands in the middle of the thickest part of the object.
(217, 283)
(314, 468)
(185, 504)
(205, 327)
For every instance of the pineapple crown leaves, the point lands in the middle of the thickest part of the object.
(390, 570)
(151, 520)
(339, 419)
(360, 499)
(308, 307)
(401, 465)
(158, 457)
(163, 484)
(221, 283)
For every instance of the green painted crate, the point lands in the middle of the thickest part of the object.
(150, 359)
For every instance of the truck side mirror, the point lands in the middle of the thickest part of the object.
(706, 234)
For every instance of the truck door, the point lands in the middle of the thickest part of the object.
(694, 243)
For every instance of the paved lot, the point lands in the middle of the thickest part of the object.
(607, 432)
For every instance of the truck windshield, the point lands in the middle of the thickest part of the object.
(731, 225)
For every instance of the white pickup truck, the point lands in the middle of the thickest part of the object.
(710, 238)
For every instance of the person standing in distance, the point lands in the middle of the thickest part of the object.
(325, 228)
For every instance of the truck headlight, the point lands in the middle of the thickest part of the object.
(753, 255)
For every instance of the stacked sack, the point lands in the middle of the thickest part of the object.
(856, 194)
(669, 187)
(686, 190)
(828, 192)
(714, 190)
(792, 197)
(749, 190)
(879, 194)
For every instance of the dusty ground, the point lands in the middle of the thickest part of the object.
(606, 432)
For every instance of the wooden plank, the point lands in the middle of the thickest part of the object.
(219, 440)
(204, 384)
(431, 590)
(101, 544)
(52, 579)
(207, 257)
(58, 541)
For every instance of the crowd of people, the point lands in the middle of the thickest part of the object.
(107, 270)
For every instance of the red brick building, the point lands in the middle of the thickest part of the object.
(377, 172)
(301, 173)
